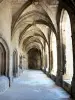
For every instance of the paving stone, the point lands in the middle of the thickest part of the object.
(34, 85)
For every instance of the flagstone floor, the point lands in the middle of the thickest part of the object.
(34, 85)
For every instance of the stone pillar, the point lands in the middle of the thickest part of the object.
(59, 59)
(44, 56)
(47, 53)
(73, 43)
(42, 66)
(73, 79)
(51, 55)
(49, 70)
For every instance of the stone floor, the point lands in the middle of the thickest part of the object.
(34, 85)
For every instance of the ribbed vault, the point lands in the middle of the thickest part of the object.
(32, 39)
(34, 31)
(17, 15)
(34, 17)
(32, 26)
(33, 45)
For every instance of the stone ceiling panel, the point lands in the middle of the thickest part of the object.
(16, 4)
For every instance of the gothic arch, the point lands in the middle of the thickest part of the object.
(32, 40)
(66, 44)
(34, 62)
(39, 19)
(4, 51)
(38, 32)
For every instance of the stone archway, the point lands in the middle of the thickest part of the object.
(34, 59)
(4, 58)
(66, 40)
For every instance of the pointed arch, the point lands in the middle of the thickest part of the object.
(5, 56)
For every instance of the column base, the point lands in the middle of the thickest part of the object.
(44, 69)
(59, 80)
(47, 69)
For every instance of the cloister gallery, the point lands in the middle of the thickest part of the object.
(37, 37)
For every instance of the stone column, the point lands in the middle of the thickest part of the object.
(49, 70)
(73, 43)
(47, 58)
(43, 64)
(59, 61)
(41, 58)
(44, 56)
(73, 79)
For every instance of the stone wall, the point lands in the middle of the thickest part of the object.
(5, 29)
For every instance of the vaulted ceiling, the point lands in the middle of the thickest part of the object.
(17, 4)
(33, 19)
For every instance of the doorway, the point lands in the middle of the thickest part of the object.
(34, 59)
(2, 60)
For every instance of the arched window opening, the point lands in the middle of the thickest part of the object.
(67, 53)
(2, 60)
(15, 63)
(53, 47)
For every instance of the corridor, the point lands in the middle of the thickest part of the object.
(34, 85)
